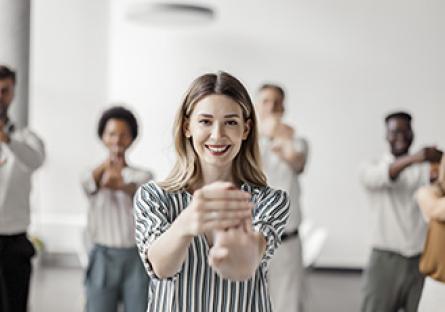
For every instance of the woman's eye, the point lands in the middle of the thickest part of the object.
(204, 121)
(232, 122)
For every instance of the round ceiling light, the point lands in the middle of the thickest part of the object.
(170, 14)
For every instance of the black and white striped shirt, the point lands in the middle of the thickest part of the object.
(197, 287)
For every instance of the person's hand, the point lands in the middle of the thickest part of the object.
(234, 251)
(283, 147)
(216, 206)
(430, 154)
(434, 171)
(284, 132)
(112, 174)
(3, 136)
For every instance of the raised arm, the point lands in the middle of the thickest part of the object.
(293, 151)
(239, 251)
(213, 207)
(27, 148)
(430, 154)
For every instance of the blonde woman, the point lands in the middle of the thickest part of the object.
(207, 232)
(431, 200)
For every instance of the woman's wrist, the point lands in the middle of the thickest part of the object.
(183, 225)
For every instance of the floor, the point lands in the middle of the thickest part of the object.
(60, 289)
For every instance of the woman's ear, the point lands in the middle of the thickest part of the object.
(186, 128)
(247, 127)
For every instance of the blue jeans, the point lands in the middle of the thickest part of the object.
(114, 275)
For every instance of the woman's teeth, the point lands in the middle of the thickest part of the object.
(218, 149)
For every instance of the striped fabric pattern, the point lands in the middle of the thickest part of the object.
(197, 287)
(110, 213)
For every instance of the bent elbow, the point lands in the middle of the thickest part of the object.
(163, 273)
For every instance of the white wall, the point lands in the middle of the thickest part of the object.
(68, 88)
(344, 63)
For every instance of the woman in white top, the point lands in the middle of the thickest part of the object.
(115, 272)
(207, 232)
(431, 200)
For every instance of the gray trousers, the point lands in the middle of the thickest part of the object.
(116, 275)
(391, 282)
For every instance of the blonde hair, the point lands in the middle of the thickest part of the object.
(246, 165)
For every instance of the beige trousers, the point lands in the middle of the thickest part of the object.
(287, 283)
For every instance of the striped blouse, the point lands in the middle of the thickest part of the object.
(197, 287)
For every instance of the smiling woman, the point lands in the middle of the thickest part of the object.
(207, 233)
(217, 129)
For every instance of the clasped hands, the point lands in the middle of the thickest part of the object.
(109, 173)
(224, 215)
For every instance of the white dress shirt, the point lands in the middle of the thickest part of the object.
(397, 222)
(281, 176)
(110, 217)
(18, 160)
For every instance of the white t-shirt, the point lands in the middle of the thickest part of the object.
(110, 217)
(397, 222)
(281, 176)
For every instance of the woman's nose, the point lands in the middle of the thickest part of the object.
(217, 131)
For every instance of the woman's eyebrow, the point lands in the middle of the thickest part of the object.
(232, 116)
(206, 115)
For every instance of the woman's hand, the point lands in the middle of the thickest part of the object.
(216, 206)
(112, 174)
(237, 252)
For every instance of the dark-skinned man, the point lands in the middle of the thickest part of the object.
(392, 280)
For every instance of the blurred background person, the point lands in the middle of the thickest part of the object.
(431, 200)
(21, 153)
(115, 271)
(284, 156)
(392, 280)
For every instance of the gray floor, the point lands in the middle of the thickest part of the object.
(60, 289)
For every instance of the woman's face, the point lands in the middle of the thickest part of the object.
(117, 136)
(217, 129)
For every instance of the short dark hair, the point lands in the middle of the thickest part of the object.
(402, 115)
(118, 112)
(272, 86)
(7, 73)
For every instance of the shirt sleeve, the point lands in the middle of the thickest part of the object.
(302, 146)
(375, 175)
(271, 213)
(28, 149)
(151, 219)
(88, 184)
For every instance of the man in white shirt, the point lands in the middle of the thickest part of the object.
(21, 153)
(284, 156)
(392, 280)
